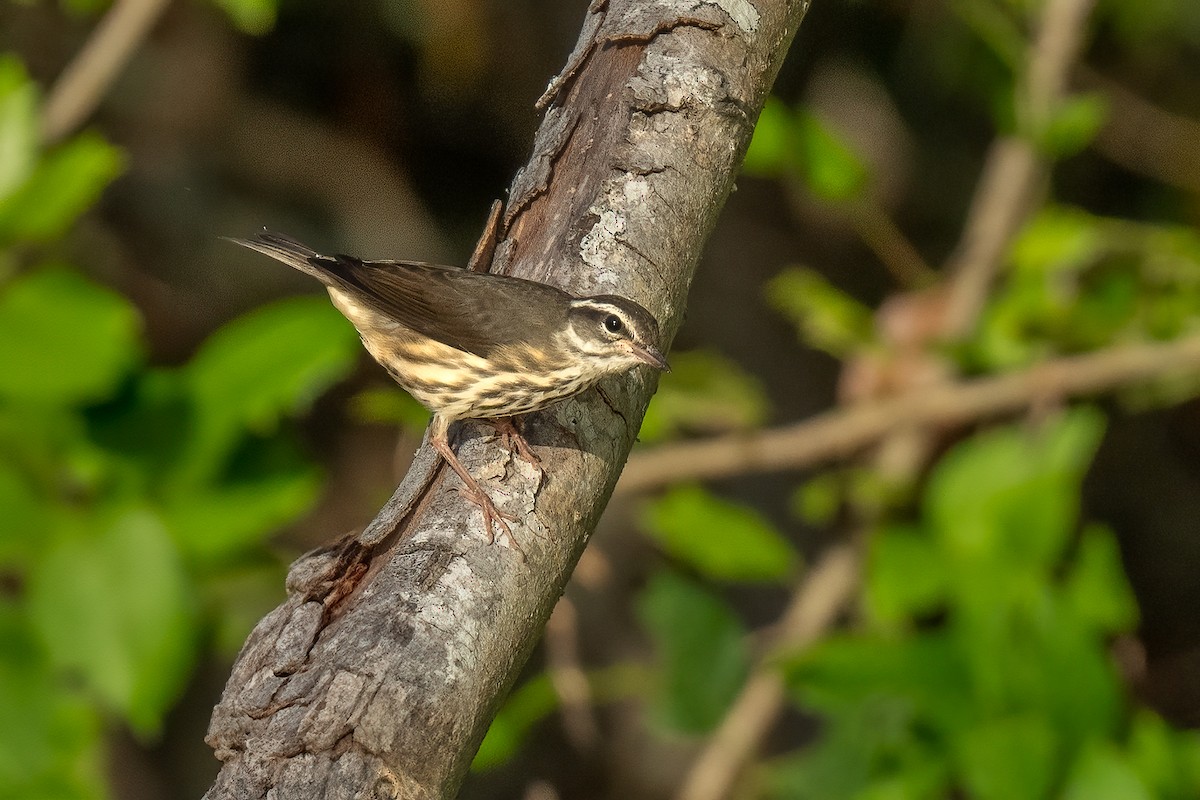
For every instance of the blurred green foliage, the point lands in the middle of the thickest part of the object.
(704, 393)
(132, 494)
(137, 499)
(1012, 693)
(980, 663)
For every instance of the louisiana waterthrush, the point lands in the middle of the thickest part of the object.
(473, 345)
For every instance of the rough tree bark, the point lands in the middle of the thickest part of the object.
(379, 674)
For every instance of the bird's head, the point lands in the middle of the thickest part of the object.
(613, 334)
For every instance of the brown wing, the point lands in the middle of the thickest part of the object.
(472, 311)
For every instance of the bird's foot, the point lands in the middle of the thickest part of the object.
(514, 441)
(492, 516)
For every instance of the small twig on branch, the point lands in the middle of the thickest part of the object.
(842, 432)
(1146, 138)
(88, 77)
(1013, 170)
(814, 607)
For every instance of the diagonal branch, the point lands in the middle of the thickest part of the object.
(380, 672)
(845, 431)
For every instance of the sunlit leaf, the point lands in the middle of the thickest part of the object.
(773, 147)
(63, 339)
(1096, 586)
(925, 674)
(825, 316)
(255, 17)
(66, 182)
(1103, 773)
(113, 605)
(720, 539)
(391, 406)
(532, 701)
(217, 522)
(906, 575)
(18, 125)
(1074, 125)
(271, 362)
(702, 651)
(818, 500)
(1011, 493)
(51, 739)
(829, 167)
(1009, 757)
(1057, 238)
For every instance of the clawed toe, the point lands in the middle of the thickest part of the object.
(513, 441)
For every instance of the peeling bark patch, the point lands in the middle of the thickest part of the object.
(297, 637)
(672, 83)
(335, 713)
(743, 14)
(583, 48)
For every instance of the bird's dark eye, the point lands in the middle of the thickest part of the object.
(613, 323)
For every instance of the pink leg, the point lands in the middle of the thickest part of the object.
(472, 490)
(513, 440)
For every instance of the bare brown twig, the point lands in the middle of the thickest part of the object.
(88, 77)
(1013, 169)
(844, 431)
(816, 604)
(1147, 139)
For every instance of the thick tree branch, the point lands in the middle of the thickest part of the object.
(381, 671)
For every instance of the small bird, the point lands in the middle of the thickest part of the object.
(473, 345)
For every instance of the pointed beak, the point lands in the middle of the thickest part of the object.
(652, 356)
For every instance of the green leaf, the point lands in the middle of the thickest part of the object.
(274, 361)
(214, 523)
(1057, 239)
(721, 540)
(826, 317)
(532, 702)
(67, 181)
(772, 150)
(1102, 773)
(63, 339)
(906, 575)
(390, 406)
(704, 393)
(1009, 757)
(799, 143)
(1074, 125)
(829, 168)
(25, 518)
(1012, 495)
(702, 649)
(1167, 761)
(112, 604)
(255, 17)
(818, 500)
(865, 754)
(18, 125)
(1096, 587)
(51, 739)
(925, 675)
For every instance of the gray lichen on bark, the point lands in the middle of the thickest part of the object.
(378, 675)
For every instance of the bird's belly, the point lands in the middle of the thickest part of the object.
(459, 385)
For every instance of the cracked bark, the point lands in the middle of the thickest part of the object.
(380, 672)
